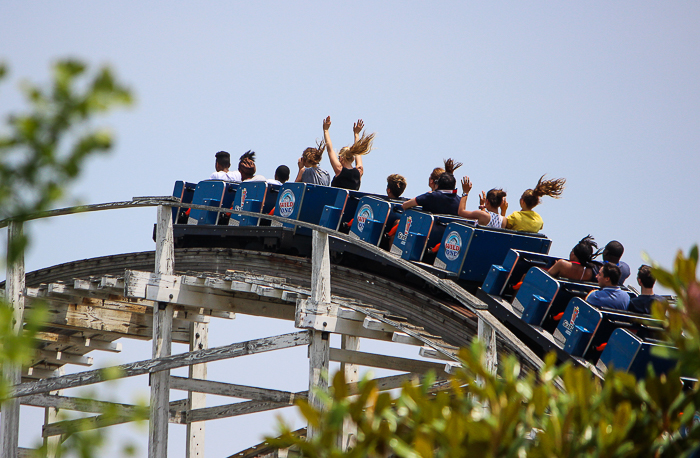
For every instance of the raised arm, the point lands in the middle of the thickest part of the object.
(462, 211)
(356, 129)
(332, 155)
(300, 163)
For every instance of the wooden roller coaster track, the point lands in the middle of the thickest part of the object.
(172, 294)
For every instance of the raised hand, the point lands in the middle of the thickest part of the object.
(504, 206)
(300, 162)
(357, 127)
(327, 123)
(482, 199)
(466, 185)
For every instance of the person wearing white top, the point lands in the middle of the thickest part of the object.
(222, 164)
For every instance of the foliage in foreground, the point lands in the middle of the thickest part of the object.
(42, 151)
(516, 415)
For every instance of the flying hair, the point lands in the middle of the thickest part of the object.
(247, 155)
(359, 148)
(551, 188)
(451, 165)
(584, 250)
(314, 155)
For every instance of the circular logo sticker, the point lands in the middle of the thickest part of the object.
(453, 244)
(362, 216)
(286, 203)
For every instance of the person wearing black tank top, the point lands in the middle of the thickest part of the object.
(348, 176)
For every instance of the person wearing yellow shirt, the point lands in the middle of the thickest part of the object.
(526, 219)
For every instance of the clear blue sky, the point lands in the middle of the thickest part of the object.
(603, 94)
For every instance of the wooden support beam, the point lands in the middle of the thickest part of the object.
(429, 352)
(487, 336)
(403, 338)
(319, 354)
(386, 362)
(114, 319)
(52, 444)
(348, 434)
(101, 421)
(61, 357)
(162, 339)
(12, 373)
(77, 404)
(199, 340)
(166, 363)
(236, 391)
(79, 342)
(242, 408)
(173, 289)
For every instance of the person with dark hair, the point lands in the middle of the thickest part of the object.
(309, 171)
(222, 164)
(526, 219)
(246, 168)
(489, 205)
(395, 185)
(612, 253)
(444, 199)
(347, 176)
(578, 266)
(642, 303)
(610, 295)
(281, 175)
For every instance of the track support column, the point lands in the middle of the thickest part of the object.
(319, 348)
(352, 374)
(487, 335)
(162, 339)
(199, 340)
(14, 288)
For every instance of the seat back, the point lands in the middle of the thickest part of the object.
(412, 235)
(487, 247)
(250, 197)
(210, 193)
(584, 330)
(503, 276)
(370, 219)
(535, 296)
(321, 205)
(627, 352)
(183, 191)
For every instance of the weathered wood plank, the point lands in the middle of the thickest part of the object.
(236, 391)
(319, 346)
(77, 404)
(385, 362)
(196, 400)
(86, 343)
(162, 339)
(160, 364)
(159, 288)
(14, 285)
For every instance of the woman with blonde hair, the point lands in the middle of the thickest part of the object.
(526, 219)
(309, 171)
(347, 176)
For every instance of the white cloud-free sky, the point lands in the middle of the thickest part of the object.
(603, 94)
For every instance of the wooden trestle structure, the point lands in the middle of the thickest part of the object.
(171, 295)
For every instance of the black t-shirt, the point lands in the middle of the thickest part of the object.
(347, 179)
